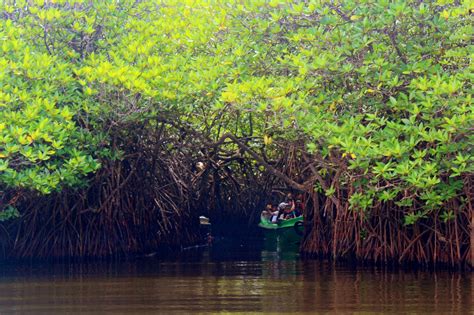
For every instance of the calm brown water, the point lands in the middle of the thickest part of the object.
(259, 275)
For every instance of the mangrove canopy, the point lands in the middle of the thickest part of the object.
(122, 121)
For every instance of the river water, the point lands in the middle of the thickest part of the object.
(242, 274)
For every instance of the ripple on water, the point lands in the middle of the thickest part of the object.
(268, 280)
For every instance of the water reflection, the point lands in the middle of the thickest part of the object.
(261, 274)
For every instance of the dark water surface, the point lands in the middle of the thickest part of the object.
(245, 275)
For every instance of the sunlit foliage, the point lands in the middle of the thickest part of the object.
(379, 89)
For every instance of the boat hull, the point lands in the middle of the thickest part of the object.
(284, 224)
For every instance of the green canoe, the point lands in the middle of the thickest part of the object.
(288, 223)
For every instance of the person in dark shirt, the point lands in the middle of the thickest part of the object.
(299, 204)
(286, 208)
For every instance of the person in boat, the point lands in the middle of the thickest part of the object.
(275, 214)
(267, 212)
(280, 213)
(286, 209)
(299, 205)
(290, 210)
(270, 213)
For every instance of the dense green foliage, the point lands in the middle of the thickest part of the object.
(385, 92)
(43, 145)
(395, 103)
(380, 92)
(382, 89)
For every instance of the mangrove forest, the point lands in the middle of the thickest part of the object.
(123, 122)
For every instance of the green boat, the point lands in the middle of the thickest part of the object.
(288, 223)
